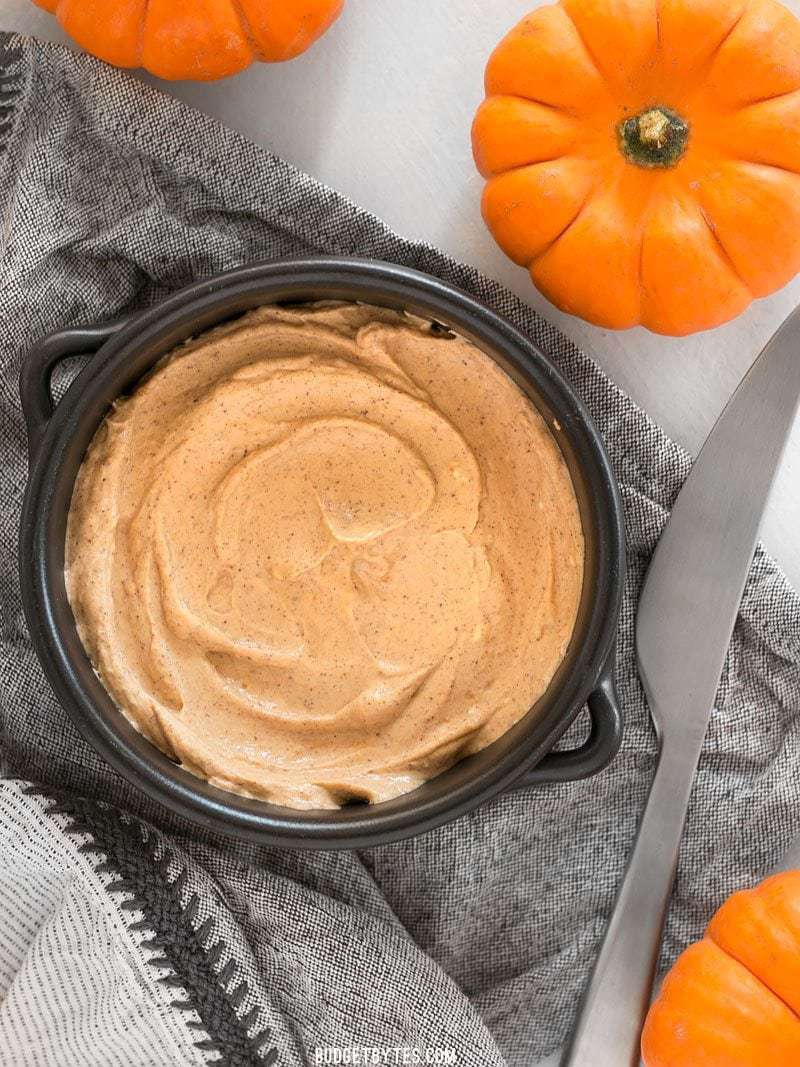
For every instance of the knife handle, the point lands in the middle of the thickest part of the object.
(609, 1026)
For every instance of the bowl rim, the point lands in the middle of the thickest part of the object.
(298, 280)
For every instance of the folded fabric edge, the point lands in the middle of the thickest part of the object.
(148, 888)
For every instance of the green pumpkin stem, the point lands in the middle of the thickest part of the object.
(655, 138)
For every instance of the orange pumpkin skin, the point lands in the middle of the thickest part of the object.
(201, 40)
(733, 999)
(676, 246)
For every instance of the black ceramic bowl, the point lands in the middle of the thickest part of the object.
(124, 353)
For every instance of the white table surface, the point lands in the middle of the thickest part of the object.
(381, 110)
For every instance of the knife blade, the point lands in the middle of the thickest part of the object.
(685, 620)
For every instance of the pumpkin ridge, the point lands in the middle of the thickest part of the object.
(718, 48)
(587, 49)
(640, 268)
(139, 49)
(755, 977)
(573, 114)
(247, 29)
(297, 36)
(701, 78)
(530, 163)
(768, 99)
(564, 230)
(731, 265)
(770, 166)
(657, 188)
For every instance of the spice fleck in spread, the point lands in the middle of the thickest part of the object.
(323, 552)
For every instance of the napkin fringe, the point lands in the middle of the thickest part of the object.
(144, 872)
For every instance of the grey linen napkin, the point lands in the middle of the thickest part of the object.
(480, 935)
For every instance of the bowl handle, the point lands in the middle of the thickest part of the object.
(599, 748)
(37, 371)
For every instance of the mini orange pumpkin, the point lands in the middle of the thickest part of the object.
(194, 39)
(733, 999)
(643, 157)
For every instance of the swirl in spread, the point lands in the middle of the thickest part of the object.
(323, 552)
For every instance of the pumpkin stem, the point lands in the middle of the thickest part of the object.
(655, 138)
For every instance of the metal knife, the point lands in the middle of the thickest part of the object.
(685, 621)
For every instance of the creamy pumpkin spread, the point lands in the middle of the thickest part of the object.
(323, 552)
